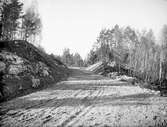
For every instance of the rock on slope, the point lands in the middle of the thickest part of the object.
(27, 69)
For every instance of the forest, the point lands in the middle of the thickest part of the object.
(16, 24)
(142, 52)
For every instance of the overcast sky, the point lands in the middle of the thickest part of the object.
(75, 24)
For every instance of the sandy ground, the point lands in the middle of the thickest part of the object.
(86, 100)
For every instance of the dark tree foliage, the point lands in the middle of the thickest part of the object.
(0, 30)
(92, 57)
(10, 14)
(16, 24)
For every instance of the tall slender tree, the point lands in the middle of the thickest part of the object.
(31, 24)
(163, 58)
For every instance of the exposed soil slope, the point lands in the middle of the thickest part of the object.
(87, 99)
(26, 69)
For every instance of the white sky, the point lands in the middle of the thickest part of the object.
(76, 23)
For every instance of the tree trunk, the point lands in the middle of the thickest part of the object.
(160, 65)
(160, 70)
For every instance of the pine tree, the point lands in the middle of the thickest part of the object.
(10, 15)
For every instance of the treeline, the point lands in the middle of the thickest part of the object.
(140, 51)
(18, 24)
(70, 59)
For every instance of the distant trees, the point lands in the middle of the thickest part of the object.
(16, 24)
(78, 60)
(71, 59)
(67, 57)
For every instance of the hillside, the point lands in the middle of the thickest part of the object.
(26, 69)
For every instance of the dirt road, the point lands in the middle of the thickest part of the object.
(86, 99)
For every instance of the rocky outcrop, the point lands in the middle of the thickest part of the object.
(25, 69)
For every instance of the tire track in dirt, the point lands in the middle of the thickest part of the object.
(27, 117)
(59, 104)
(77, 114)
(84, 111)
(56, 104)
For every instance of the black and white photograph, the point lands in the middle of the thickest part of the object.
(83, 63)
